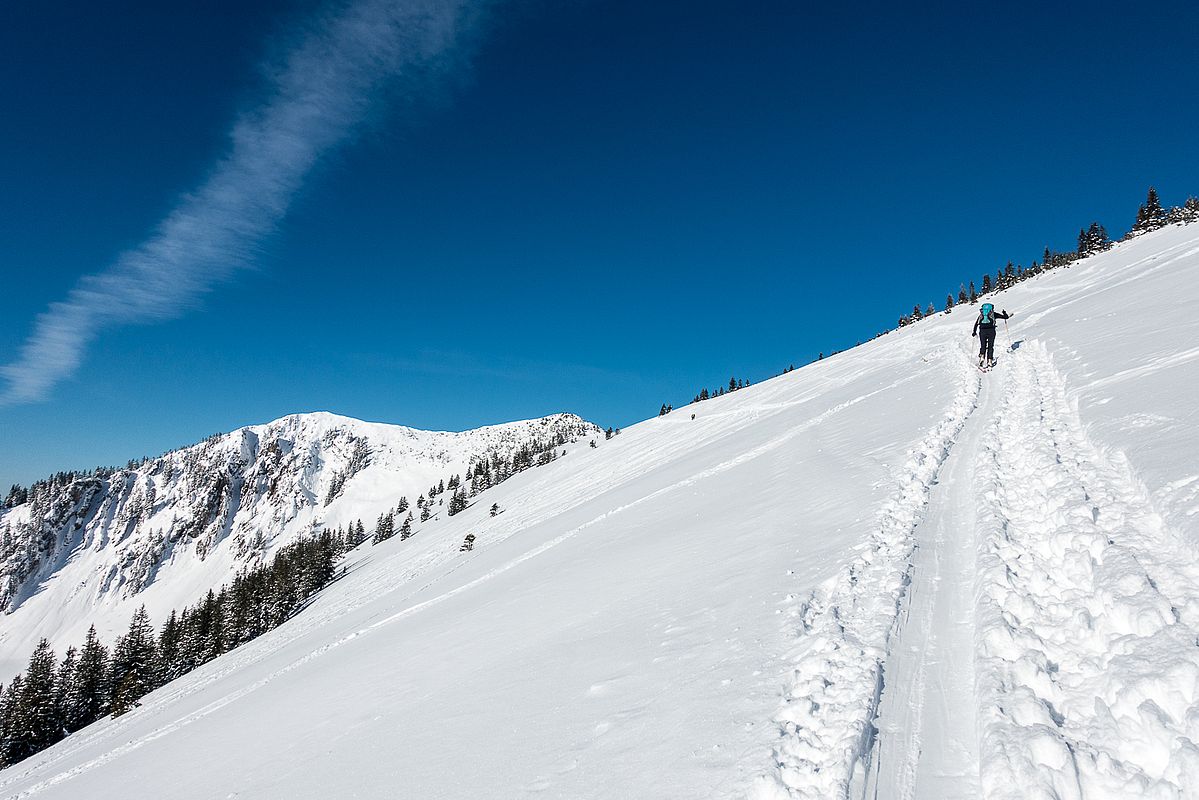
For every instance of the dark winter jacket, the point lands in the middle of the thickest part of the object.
(978, 323)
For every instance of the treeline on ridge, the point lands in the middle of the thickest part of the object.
(1091, 240)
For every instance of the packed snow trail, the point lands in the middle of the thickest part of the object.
(926, 745)
(845, 629)
(1048, 643)
(1088, 614)
(619, 615)
(625, 628)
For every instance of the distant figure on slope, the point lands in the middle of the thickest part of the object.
(984, 328)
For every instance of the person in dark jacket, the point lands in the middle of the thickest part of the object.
(984, 328)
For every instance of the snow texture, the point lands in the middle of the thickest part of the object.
(1087, 613)
(883, 575)
(832, 694)
(165, 532)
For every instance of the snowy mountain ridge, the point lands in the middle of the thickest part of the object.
(191, 518)
(883, 575)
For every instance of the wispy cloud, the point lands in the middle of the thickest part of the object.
(321, 89)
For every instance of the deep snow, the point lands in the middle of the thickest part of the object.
(775, 599)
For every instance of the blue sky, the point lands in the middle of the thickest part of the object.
(593, 207)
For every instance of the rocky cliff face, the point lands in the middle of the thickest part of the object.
(219, 505)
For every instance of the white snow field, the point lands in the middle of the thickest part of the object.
(882, 575)
(162, 533)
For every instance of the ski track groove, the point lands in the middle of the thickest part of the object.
(1085, 598)
(833, 687)
(1087, 617)
(160, 704)
(926, 737)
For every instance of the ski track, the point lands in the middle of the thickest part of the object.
(1150, 367)
(926, 742)
(1087, 616)
(162, 701)
(1080, 673)
(834, 683)
(1054, 615)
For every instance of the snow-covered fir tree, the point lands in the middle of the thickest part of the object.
(133, 664)
(384, 528)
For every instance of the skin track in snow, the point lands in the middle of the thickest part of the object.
(626, 627)
(1088, 616)
(1062, 659)
(825, 723)
(927, 741)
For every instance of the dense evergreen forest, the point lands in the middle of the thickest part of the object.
(54, 697)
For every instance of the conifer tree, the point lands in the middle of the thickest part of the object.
(973, 293)
(948, 303)
(1190, 213)
(1150, 215)
(13, 725)
(1154, 215)
(167, 653)
(2, 726)
(406, 528)
(62, 685)
(87, 698)
(40, 712)
(213, 615)
(986, 284)
(133, 664)
(457, 502)
(963, 298)
(1092, 240)
(384, 528)
(17, 495)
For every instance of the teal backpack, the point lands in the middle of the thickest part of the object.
(988, 312)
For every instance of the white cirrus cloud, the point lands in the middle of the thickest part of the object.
(320, 91)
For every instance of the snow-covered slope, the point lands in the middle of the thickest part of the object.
(91, 549)
(882, 575)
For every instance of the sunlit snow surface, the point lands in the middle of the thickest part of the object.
(731, 605)
(162, 533)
